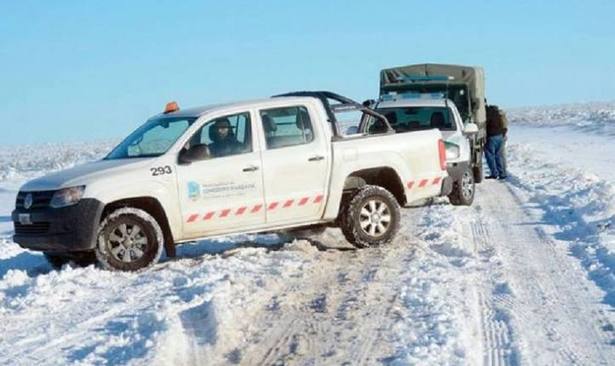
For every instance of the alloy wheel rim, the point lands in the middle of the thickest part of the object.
(127, 243)
(375, 218)
(466, 185)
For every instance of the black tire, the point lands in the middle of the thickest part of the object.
(363, 230)
(81, 259)
(129, 239)
(56, 260)
(463, 190)
(478, 169)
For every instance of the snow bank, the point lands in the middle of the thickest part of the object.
(433, 328)
(579, 204)
(587, 117)
(91, 316)
(29, 161)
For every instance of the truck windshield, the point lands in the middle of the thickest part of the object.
(404, 119)
(154, 138)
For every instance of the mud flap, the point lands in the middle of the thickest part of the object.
(447, 186)
(169, 248)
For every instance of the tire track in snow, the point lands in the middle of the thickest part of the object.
(324, 317)
(550, 311)
(498, 349)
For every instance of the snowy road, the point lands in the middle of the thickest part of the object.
(539, 304)
(524, 276)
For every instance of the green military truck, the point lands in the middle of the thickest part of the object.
(464, 85)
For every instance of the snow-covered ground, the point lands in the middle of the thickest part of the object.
(524, 276)
(596, 117)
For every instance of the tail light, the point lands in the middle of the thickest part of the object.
(442, 154)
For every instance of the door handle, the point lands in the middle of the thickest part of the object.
(316, 158)
(251, 168)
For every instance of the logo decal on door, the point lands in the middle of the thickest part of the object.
(194, 190)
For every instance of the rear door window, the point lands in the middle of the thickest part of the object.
(287, 126)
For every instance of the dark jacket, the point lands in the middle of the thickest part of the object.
(497, 123)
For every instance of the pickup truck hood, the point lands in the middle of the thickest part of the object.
(82, 174)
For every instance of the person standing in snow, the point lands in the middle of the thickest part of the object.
(497, 127)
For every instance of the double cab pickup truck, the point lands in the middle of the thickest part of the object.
(274, 164)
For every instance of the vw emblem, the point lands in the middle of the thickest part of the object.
(27, 202)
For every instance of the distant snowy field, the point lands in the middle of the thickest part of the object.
(597, 117)
(524, 276)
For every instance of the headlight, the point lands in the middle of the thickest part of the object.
(452, 151)
(67, 197)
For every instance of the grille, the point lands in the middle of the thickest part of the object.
(40, 199)
(34, 228)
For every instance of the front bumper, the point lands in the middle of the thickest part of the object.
(65, 229)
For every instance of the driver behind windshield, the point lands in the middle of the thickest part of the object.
(223, 141)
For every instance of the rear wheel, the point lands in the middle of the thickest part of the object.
(370, 217)
(129, 239)
(463, 190)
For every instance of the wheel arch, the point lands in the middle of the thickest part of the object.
(385, 177)
(153, 207)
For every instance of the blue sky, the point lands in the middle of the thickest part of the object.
(85, 70)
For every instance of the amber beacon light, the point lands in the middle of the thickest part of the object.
(171, 107)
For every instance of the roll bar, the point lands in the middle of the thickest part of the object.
(344, 104)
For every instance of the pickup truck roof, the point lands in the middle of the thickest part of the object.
(332, 103)
(199, 111)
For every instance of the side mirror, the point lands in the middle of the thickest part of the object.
(194, 153)
(470, 129)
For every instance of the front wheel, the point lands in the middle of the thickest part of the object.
(370, 217)
(463, 190)
(129, 239)
(58, 260)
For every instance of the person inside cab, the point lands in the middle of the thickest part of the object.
(437, 120)
(223, 141)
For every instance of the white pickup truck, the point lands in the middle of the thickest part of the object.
(267, 165)
(414, 112)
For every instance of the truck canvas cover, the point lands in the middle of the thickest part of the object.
(464, 85)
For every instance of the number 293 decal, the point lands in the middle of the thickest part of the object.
(161, 170)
